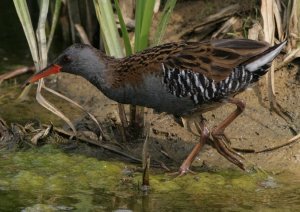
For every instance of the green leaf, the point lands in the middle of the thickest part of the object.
(108, 26)
(146, 24)
(143, 20)
(123, 29)
(163, 22)
(138, 22)
(24, 16)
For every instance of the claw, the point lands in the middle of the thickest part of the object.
(181, 172)
(222, 141)
(225, 150)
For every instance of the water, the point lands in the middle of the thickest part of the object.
(48, 179)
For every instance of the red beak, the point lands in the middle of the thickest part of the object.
(51, 69)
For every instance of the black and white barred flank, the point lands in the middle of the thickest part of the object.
(201, 89)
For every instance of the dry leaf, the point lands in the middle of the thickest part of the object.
(40, 135)
(278, 21)
(256, 32)
(267, 13)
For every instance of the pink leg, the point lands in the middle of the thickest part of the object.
(221, 141)
(185, 167)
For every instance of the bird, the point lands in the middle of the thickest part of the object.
(183, 78)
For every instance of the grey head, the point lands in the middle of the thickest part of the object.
(79, 59)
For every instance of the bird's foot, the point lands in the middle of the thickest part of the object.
(222, 146)
(220, 136)
(221, 141)
(181, 172)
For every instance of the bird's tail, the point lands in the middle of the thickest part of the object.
(260, 63)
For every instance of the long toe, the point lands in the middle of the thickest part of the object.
(181, 172)
(228, 152)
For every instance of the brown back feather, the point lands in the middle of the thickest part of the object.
(215, 59)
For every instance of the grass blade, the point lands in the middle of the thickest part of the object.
(108, 25)
(77, 105)
(41, 38)
(111, 39)
(38, 48)
(54, 22)
(143, 20)
(24, 16)
(41, 34)
(138, 23)
(146, 24)
(123, 29)
(163, 22)
(42, 101)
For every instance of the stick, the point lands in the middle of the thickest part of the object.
(292, 140)
(16, 72)
(96, 143)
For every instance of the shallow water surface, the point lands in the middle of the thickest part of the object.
(50, 180)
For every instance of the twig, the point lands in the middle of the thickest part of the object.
(155, 163)
(212, 19)
(146, 161)
(145, 181)
(291, 141)
(145, 152)
(123, 119)
(96, 143)
(225, 28)
(267, 12)
(16, 72)
(83, 36)
(79, 106)
(289, 58)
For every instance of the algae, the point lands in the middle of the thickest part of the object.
(47, 178)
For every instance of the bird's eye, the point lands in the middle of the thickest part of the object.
(67, 59)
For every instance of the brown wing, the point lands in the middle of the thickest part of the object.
(215, 59)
